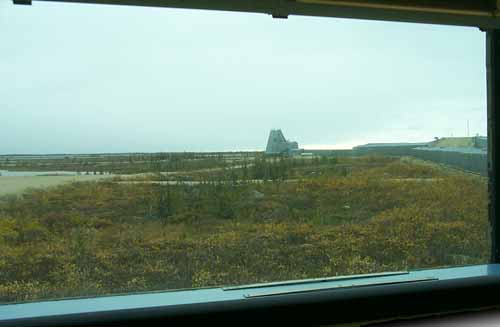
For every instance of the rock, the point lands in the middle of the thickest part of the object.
(256, 194)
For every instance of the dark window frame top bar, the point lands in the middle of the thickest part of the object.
(462, 13)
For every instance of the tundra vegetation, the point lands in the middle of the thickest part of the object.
(256, 219)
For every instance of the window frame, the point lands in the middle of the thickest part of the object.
(318, 307)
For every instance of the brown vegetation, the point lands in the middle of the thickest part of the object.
(348, 216)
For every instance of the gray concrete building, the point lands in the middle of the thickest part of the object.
(278, 144)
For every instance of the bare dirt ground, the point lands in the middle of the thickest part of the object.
(17, 184)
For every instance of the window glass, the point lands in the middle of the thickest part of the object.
(151, 149)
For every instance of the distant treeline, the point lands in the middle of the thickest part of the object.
(333, 153)
(132, 163)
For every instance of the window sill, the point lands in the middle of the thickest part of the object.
(326, 301)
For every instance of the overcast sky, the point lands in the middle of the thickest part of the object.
(87, 78)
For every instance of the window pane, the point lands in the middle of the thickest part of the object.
(153, 149)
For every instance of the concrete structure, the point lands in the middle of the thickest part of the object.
(467, 153)
(277, 144)
(480, 142)
(475, 144)
(394, 149)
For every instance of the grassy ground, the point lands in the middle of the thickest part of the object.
(354, 215)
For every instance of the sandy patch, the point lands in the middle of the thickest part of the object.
(17, 184)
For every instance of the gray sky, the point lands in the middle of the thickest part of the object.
(85, 78)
